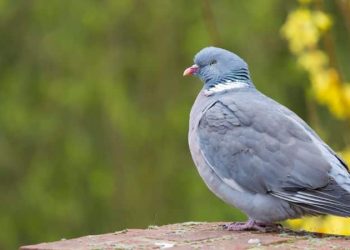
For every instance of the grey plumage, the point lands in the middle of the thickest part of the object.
(256, 154)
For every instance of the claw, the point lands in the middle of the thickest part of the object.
(252, 225)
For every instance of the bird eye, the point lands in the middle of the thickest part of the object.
(213, 62)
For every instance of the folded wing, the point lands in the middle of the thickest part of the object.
(255, 144)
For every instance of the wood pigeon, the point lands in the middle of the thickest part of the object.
(256, 154)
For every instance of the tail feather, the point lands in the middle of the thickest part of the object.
(332, 199)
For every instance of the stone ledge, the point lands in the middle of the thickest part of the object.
(197, 235)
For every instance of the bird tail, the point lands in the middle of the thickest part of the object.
(332, 199)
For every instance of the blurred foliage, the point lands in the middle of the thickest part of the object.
(94, 109)
(304, 28)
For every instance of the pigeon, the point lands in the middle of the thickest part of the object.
(256, 154)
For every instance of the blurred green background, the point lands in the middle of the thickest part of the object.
(94, 109)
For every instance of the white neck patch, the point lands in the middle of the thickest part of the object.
(225, 86)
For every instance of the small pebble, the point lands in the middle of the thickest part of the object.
(253, 241)
(163, 245)
(121, 232)
(152, 227)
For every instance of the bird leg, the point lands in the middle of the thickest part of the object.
(252, 225)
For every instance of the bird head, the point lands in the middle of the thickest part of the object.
(216, 66)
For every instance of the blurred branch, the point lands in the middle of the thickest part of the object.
(344, 7)
(312, 112)
(210, 23)
(329, 45)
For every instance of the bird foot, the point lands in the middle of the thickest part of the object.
(252, 225)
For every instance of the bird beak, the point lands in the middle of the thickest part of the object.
(191, 70)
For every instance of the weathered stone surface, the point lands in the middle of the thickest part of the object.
(197, 235)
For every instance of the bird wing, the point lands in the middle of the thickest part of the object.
(253, 143)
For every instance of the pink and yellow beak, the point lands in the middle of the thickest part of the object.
(191, 70)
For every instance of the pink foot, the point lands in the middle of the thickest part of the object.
(252, 225)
